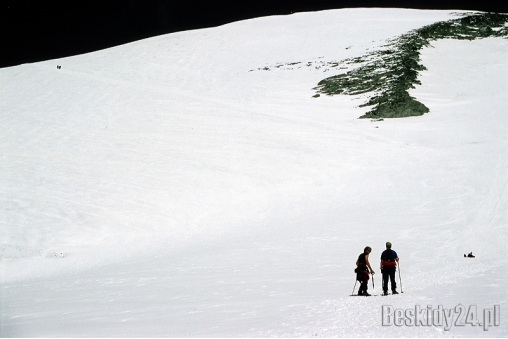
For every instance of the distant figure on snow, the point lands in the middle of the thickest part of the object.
(470, 255)
(388, 265)
(362, 272)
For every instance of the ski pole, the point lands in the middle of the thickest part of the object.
(352, 293)
(372, 280)
(400, 280)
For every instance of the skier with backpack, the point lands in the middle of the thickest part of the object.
(388, 265)
(362, 271)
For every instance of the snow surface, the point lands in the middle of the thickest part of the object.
(162, 188)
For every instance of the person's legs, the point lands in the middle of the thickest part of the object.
(393, 282)
(363, 288)
(385, 281)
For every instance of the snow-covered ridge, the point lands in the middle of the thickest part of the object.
(161, 189)
(393, 69)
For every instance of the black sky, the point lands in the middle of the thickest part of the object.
(40, 30)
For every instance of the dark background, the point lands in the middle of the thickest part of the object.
(40, 30)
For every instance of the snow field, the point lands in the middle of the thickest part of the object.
(161, 189)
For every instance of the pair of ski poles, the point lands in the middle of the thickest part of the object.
(352, 293)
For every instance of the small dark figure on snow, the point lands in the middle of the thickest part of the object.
(362, 271)
(389, 260)
(470, 255)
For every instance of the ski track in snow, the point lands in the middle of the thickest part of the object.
(161, 189)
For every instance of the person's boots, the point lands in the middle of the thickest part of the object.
(366, 294)
(385, 291)
(394, 291)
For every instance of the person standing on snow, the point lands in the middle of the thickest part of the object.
(389, 260)
(362, 273)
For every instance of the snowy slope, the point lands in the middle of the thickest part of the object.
(168, 187)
